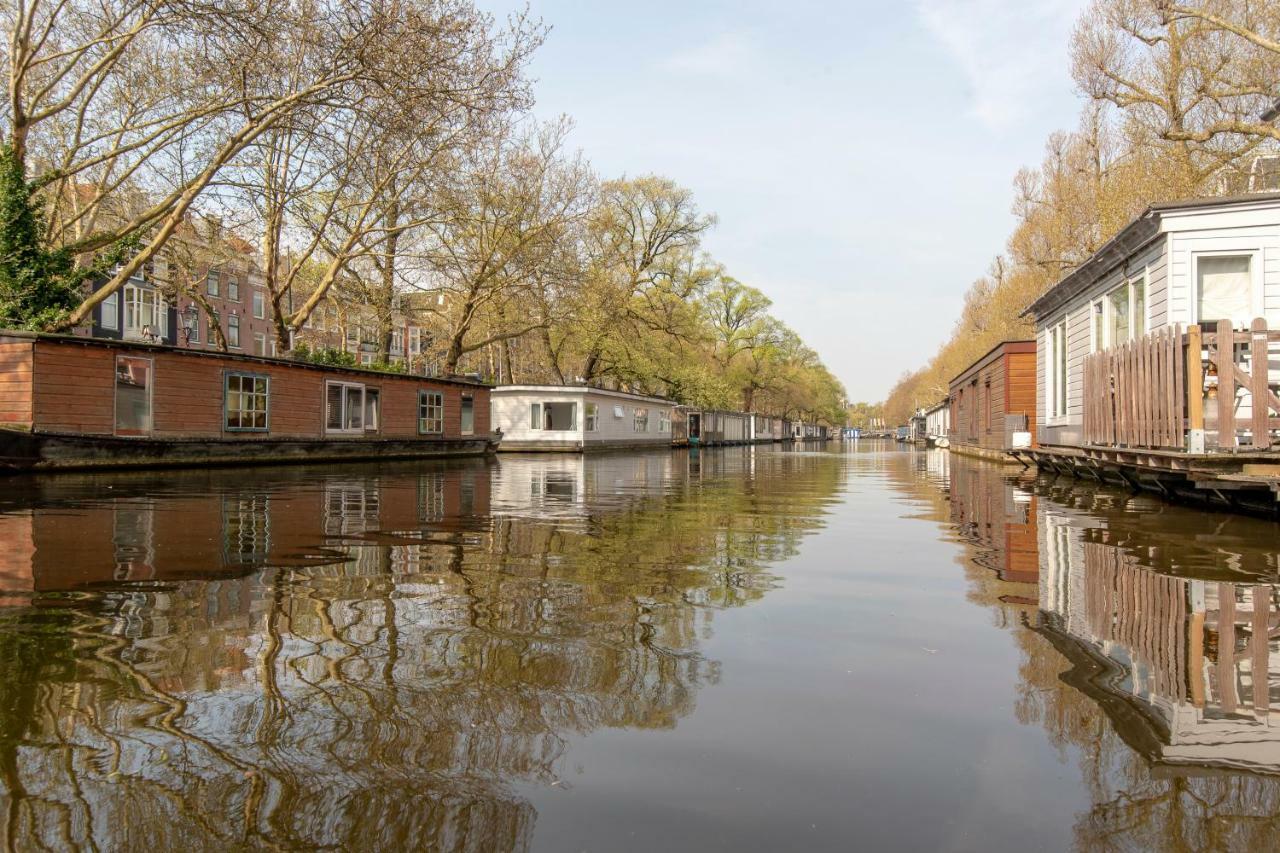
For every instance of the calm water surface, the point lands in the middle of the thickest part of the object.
(740, 649)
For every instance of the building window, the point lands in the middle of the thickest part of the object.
(351, 407)
(640, 422)
(245, 402)
(430, 412)
(109, 312)
(259, 304)
(133, 395)
(468, 415)
(233, 331)
(1224, 290)
(415, 340)
(553, 416)
(1056, 376)
(664, 421)
(397, 342)
(145, 314)
(211, 283)
(1098, 329)
(259, 343)
(591, 418)
(233, 289)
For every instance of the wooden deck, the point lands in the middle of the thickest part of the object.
(1188, 414)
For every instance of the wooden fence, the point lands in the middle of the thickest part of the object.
(1164, 390)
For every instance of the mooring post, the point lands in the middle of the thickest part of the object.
(1195, 392)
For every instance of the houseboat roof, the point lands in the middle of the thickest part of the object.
(580, 389)
(1132, 238)
(111, 343)
(998, 349)
(941, 404)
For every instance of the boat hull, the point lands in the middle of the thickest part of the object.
(43, 451)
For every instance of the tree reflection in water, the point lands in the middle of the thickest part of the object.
(1149, 650)
(361, 656)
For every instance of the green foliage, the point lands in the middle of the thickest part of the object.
(39, 285)
(324, 355)
(341, 358)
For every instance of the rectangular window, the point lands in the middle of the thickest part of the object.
(233, 289)
(245, 402)
(640, 422)
(233, 331)
(430, 412)
(1138, 306)
(259, 304)
(591, 417)
(415, 340)
(535, 416)
(1118, 304)
(193, 330)
(351, 408)
(133, 395)
(397, 342)
(211, 283)
(1099, 327)
(1224, 290)
(259, 343)
(468, 415)
(664, 421)
(372, 411)
(145, 314)
(1056, 371)
(109, 312)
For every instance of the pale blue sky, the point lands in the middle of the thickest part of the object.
(859, 155)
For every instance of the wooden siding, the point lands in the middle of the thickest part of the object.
(15, 384)
(1000, 383)
(75, 392)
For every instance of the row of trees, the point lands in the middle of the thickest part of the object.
(373, 150)
(1176, 98)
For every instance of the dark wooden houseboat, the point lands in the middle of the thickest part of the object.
(72, 402)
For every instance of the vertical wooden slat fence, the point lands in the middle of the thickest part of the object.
(1132, 393)
(1150, 392)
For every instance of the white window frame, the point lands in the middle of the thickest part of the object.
(590, 417)
(109, 312)
(259, 343)
(159, 311)
(233, 325)
(213, 283)
(640, 419)
(151, 398)
(664, 421)
(364, 426)
(1057, 388)
(233, 289)
(1256, 295)
(462, 427)
(259, 304)
(1097, 311)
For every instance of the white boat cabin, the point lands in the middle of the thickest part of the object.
(573, 418)
(1179, 263)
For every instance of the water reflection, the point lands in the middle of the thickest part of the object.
(368, 657)
(1152, 654)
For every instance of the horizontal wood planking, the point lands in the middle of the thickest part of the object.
(15, 383)
(75, 392)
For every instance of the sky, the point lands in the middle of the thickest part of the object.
(859, 155)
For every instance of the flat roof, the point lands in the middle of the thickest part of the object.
(579, 389)
(1130, 239)
(989, 355)
(113, 343)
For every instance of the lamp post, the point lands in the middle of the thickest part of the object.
(190, 316)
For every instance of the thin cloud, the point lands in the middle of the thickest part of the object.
(1010, 51)
(723, 55)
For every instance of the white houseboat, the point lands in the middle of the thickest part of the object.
(575, 418)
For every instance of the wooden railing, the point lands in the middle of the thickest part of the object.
(1182, 391)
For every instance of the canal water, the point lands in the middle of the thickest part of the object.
(828, 648)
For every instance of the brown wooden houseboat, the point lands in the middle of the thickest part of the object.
(72, 402)
(993, 402)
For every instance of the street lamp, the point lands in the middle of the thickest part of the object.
(190, 316)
